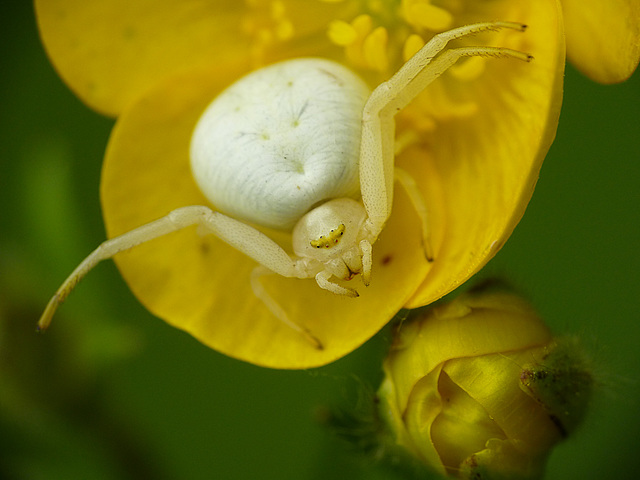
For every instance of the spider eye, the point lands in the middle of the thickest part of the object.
(328, 241)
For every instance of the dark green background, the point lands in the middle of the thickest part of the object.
(112, 392)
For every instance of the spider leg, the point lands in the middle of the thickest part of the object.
(405, 179)
(378, 125)
(323, 280)
(244, 238)
(274, 307)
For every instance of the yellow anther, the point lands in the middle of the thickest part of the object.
(277, 10)
(379, 35)
(284, 30)
(263, 36)
(469, 69)
(421, 14)
(375, 49)
(342, 33)
(411, 46)
(376, 6)
(362, 24)
(265, 23)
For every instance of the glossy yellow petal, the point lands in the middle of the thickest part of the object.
(200, 284)
(463, 425)
(420, 414)
(603, 37)
(423, 406)
(517, 414)
(110, 52)
(482, 162)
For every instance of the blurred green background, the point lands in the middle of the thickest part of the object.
(114, 393)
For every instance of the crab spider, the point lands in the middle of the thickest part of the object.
(302, 146)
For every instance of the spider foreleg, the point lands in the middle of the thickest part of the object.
(367, 261)
(274, 307)
(244, 238)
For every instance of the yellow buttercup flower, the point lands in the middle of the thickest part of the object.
(478, 388)
(474, 142)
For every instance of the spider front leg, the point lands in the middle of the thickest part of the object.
(275, 308)
(378, 124)
(242, 237)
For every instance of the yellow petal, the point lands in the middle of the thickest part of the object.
(463, 426)
(200, 284)
(109, 52)
(423, 406)
(395, 416)
(603, 37)
(518, 415)
(480, 169)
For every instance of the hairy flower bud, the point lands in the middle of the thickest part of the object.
(478, 388)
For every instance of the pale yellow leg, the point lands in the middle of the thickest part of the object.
(244, 238)
(419, 205)
(378, 126)
(275, 308)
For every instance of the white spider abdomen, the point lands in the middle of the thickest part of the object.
(281, 140)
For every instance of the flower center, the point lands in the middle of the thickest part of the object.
(266, 23)
(385, 33)
(377, 37)
(382, 35)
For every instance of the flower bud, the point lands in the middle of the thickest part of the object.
(478, 388)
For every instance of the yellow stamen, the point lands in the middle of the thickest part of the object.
(421, 14)
(284, 30)
(375, 49)
(362, 25)
(266, 23)
(411, 46)
(342, 33)
(377, 6)
(277, 10)
(263, 37)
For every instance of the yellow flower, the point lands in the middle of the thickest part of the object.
(474, 142)
(478, 388)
